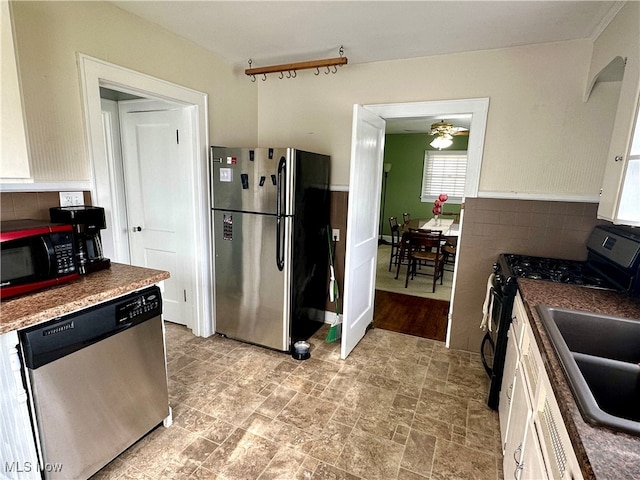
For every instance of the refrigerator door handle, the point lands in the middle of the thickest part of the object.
(280, 190)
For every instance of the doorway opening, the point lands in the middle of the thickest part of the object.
(403, 308)
(361, 312)
(107, 189)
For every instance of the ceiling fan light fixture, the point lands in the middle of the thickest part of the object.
(442, 141)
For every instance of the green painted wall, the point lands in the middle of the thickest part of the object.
(405, 152)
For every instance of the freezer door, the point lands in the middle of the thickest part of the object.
(244, 179)
(252, 294)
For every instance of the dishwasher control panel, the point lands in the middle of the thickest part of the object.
(140, 307)
(49, 341)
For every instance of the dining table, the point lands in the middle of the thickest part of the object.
(448, 226)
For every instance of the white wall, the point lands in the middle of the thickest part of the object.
(48, 35)
(541, 137)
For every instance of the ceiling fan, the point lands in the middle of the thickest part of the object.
(444, 133)
(446, 128)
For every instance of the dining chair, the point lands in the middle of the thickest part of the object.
(425, 250)
(449, 251)
(403, 252)
(395, 241)
(406, 217)
(454, 215)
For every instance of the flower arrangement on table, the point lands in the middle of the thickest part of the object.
(437, 205)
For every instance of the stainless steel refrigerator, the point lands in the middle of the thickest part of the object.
(270, 214)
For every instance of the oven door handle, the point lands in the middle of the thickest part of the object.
(487, 338)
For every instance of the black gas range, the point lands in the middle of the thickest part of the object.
(613, 263)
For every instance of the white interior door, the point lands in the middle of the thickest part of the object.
(156, 185)
(367, 149)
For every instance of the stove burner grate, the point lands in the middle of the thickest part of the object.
(557, 270)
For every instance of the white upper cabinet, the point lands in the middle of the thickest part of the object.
(629, 202)
(621, 181)
(14, 158)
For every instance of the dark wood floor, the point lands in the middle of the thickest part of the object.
(422, 317)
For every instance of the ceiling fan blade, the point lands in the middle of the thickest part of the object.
(464, 133)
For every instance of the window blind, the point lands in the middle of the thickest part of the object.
(444, 172)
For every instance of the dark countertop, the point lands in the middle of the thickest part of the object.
(33, 308)
(602, 453)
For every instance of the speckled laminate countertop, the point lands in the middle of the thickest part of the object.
(603, 454)
(33, 308)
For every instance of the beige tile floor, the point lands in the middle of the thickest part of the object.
(400, 407)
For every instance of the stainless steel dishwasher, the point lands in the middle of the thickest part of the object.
(98, 382)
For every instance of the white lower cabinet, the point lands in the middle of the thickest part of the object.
(533, 466)
(17, 443)
(536, 444)
(519, 421)
(508, 384)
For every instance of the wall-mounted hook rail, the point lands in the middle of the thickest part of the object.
(292, 67)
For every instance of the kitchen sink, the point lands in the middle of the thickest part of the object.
(598, 335)
(600, 355)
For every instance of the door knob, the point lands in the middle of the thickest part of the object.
(137, 229)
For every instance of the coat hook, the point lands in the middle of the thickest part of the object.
(281, 76)
(317, 71)
(328, 71)
(253, 78)
(264, 77)
(335, 69)
(294, 74)
(289, 74)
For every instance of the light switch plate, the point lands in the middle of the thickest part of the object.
(71, 199)
(336, 234)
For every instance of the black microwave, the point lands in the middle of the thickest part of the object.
(35, 255)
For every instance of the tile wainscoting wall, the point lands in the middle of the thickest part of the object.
(35, 205)
(492, 227)
(338, 218)
(495, 226)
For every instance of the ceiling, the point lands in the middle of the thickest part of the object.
(276, 32)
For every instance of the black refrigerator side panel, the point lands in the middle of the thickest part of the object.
(310, 251)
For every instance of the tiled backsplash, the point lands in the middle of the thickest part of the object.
(550, 229)
(35, 205)
(494, 226)
(491, 227)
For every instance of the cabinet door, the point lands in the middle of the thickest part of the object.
(17, 445)
(518, 423)
(618, 160)
(518, 318)
(532, 466)
(629, 205)
(508, 384)
(14, 161)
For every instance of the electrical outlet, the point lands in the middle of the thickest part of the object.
(335, 234)
(71, 199)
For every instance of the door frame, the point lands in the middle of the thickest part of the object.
(95, 73)
(479, 108)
